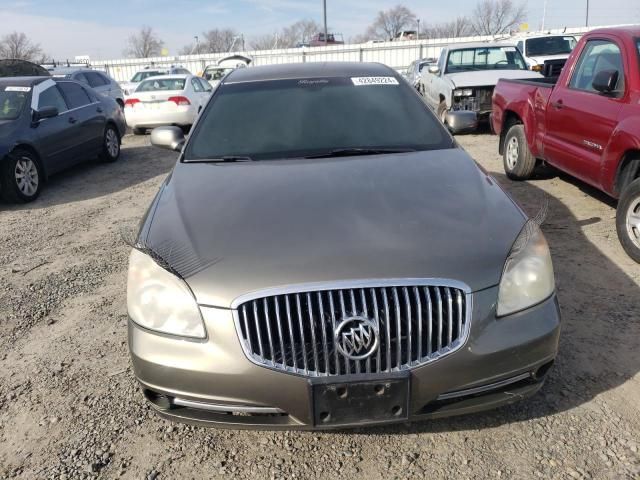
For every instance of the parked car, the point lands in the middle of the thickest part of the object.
(166, 100)
(324, 255)
(21, 68)
(99, 81)
(47, 126)
(414, 71)
(587, 124)
(546, 54)
(319, 40)
(460, 86)
(215, 73)
(130, 86)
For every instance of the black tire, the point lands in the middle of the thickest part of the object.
(517, 159)
(25, 163)
(442, 112)
(186, 129)
(139, 131)
(628, 220)
(110, 145)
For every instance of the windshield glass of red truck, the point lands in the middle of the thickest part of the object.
(313, 117)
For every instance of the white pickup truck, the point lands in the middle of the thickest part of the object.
(546, 54)
(460, 86)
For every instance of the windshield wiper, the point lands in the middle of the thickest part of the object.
(229, 158)
(352, 152)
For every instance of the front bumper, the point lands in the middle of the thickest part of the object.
(212, 382)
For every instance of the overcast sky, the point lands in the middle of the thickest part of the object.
(99, 28)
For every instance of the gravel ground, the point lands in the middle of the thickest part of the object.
(70, 407)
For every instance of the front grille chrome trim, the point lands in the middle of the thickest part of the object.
(439, 311)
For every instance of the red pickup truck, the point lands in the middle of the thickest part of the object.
(586, 124)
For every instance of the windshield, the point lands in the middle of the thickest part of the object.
(216, 73)
(12, 102)
(556, 45)
(161, 84)
(140, 76)
(301, 118)
(485, 58)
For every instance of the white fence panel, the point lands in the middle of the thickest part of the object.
(397, 55)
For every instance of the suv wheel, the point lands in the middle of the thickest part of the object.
(21, 177)
(110, 145)
(628, 220)
(518, 161)
(442, 112)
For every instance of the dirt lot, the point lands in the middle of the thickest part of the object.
(70, 408)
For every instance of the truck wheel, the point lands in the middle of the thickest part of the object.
(442, 112)
(628, 220)
(21, 177)
(518, 161)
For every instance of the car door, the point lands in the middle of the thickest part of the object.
(56, 135)
(434, 80)
(87, 116)
(579, 119)
(198, 92)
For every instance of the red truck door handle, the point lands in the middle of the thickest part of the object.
(557, 104)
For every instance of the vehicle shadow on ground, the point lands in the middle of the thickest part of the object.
(600, 330)
(93, 179)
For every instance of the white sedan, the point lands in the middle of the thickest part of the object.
(166, 100)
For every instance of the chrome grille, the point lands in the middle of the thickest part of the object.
(295, 331)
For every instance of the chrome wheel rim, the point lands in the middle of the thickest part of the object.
(633, 221)
(443, 116)
(112, 144)
(26, 174)
(513, 150)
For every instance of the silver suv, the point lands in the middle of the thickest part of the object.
(99, 81)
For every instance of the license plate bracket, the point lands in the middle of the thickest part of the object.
(361, 400)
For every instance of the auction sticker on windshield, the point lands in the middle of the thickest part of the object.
(17, 89)
(364, 81)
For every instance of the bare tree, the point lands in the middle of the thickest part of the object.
(460, 27)
(144, 44)
(215, 41)
(389, 23)
(289, 37)
(17, 46)
(494, 17)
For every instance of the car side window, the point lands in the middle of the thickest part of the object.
(520, 46)
(95, 79)
(598, 56)
(80, 77)
(206, 85)
(51, 97)
(442, 60)
(74, 94)
(197, 86)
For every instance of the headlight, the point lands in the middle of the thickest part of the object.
(467, 92)
(160, 301)
(527, 278)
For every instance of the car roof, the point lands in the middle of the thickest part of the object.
(22, 81)
(170, 76)
(291, 71)
(462, 46)
(630, 32)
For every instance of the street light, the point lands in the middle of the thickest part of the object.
(418, 32)
(197, 45)
(326, 37)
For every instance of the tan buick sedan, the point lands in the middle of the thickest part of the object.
(324, 255)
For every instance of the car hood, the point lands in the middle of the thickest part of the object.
(237, 228)
(482, 78)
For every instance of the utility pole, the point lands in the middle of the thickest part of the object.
(326, 37)
(418, 32)
(197, 45)
(587, 20)
(544, 15)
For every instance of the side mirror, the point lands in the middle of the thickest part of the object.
(207, 76)
(45, 112)
(605, 81)
(434, 69)
(169, 138)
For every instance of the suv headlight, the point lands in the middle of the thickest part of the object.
(466, 92)
(160, 301)
(527, 278)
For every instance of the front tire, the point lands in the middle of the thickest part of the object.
(518, 161)
(21, 177)
(442, 112)
(110, 145)
(628, 220)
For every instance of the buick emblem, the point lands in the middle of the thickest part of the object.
(356, 338)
